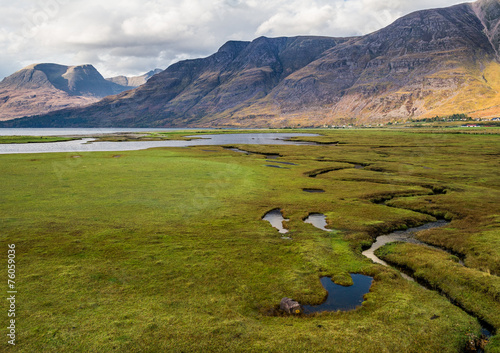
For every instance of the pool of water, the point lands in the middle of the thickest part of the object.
(340, 297)
(276, 219)
(314, 191)
(318, 220)
(276, 166)
(286, 163)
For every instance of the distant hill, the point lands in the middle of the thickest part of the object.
(438, 61)
(42, 88)
(134, 81)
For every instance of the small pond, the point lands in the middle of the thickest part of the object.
(340, 297)
(276, 166)
(276, 219)
(318, 220)
(314, 191)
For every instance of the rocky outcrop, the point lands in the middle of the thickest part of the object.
(290, 306)
(432, 62)
(488, 11)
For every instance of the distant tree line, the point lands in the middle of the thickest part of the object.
(454, 117)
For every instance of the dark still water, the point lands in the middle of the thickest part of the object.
(340, 297)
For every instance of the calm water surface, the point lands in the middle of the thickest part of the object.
(340, 297)
(318, 220)
(87, 144)
(276, 219)
(407, 236)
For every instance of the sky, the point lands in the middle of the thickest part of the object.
(131, 37)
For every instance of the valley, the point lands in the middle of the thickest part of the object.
(165, 249)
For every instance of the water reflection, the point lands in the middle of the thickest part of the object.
(276, 219)
(407, 236)
(340, 297)
(318, 220)
(89, 145)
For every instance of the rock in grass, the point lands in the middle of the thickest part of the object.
(290, 306)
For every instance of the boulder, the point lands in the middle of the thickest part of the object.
(290, 306)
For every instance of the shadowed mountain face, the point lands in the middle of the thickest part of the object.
(488, 11)
(427, 63)
(46, 87)
(440, 61)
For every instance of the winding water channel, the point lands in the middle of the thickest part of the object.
(407, 236)
(348, 298)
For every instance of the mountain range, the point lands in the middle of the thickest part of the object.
(42, 88)
(431, 62)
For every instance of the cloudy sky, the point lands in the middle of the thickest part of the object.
(131, 37)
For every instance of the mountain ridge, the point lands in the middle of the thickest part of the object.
(430, 62)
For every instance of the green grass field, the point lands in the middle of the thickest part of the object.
(164, 250)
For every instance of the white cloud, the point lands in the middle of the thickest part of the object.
(132, 36)
(340, 17)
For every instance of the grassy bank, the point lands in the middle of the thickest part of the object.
(165, 249)
(475, 291)
(33, 139)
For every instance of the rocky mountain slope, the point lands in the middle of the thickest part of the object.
(439, 61)
(134, 81)
(42, 88)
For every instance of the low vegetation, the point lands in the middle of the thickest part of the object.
(164, 250)
(32, 139)
(474, 290)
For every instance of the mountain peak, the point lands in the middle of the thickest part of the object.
(43, 87)
(80, 80)
(233, 47)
